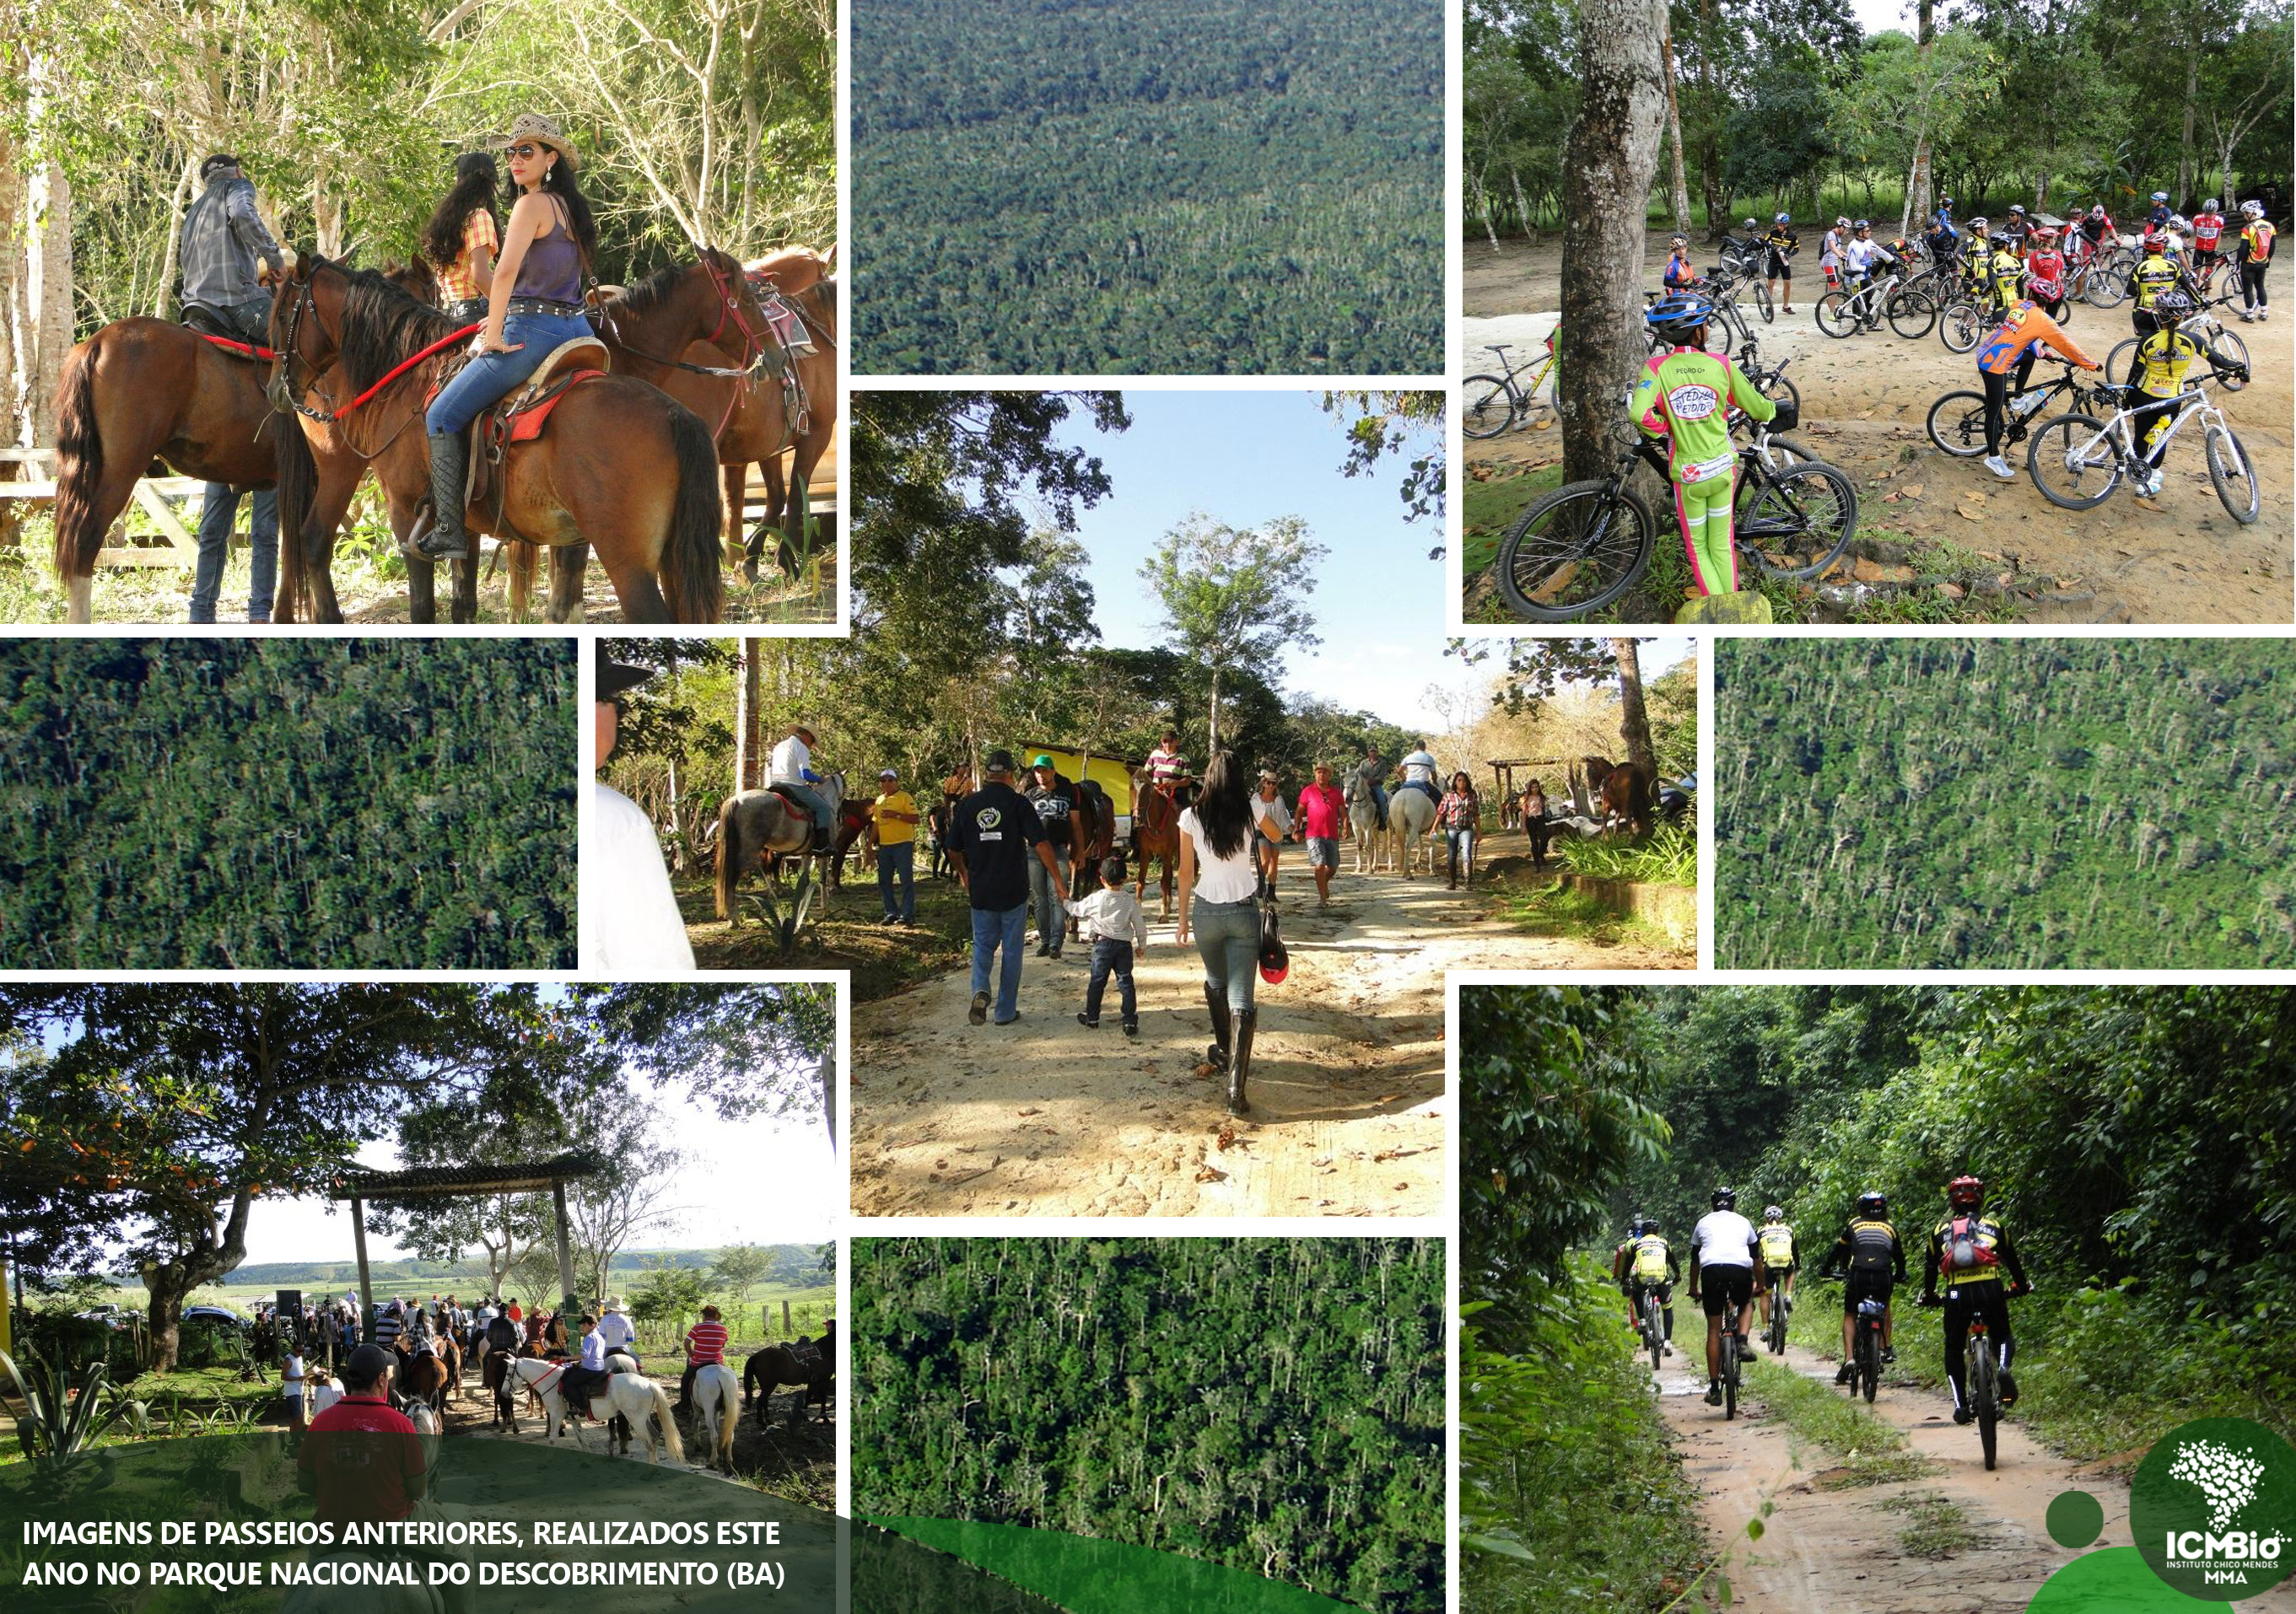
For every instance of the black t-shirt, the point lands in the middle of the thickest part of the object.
(1053, 807)
(997, 830)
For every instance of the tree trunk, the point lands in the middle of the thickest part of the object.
(1522, 202)
(1490, 222)
(748, 725)
(48, 292)
(1918, 189)
(1677, 189)
(1634, 724)
(1607, 160)
(1213, 745)
(2186, 171)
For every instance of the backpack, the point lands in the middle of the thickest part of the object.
(1967, 1246)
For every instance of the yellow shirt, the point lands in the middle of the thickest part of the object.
(457, 282)
(895, 832)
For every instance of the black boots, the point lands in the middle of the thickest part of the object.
(1239, 1070)
(450, 454)
(1215, 1000)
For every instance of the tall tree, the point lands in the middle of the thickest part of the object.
(1677, 189)
(749, 721)
(1235, 597)
(1633, 724)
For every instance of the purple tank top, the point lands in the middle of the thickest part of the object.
(551, 268)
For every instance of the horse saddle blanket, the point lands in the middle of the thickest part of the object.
(808, 1355)
(521, 414)
(787, 323)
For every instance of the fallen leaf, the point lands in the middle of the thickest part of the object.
(1968, 514)
(1914, 491)
(1210, 1174)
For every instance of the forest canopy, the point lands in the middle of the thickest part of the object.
(1271, 1405)
(247, 804)
(1079, 186)
(2019, 803)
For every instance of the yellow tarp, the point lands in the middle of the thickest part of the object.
(1110, 774)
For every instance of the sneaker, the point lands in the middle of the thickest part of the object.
(1043, 951)
(1714, 1394)
(1670, 1348)
(2151, 485)
(2263, 314)
(1961, 1414)
(1132, 1027)
(1844, 1376)
(1089, 1025)
(1015, 1020)
(978, 1013)
(2008, 1387)
(1999, 467)
(1889, 1357)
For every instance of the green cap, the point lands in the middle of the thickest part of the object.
(1042, 762)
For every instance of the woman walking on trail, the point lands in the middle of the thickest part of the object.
(1534, 822)
(534, 303)
(459, 242)
(1219, 877)
(1457, 815)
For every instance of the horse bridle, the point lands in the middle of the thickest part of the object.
(281, 388)
(729, 307)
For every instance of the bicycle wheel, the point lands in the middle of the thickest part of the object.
(1960, 324)
(1984, 1396)
(2108, 283)
(1654, 1329)
(1574, 551)
(2123, 350)
(1787, 449)
(2224, 345)
(1487, 405)
(1763, 304)
(1778, 390)
(1729, 1375)
(1912, 313)
(1799, 520)
(1957, 424)
(1835, 316)
(2233, 476)
(1869, 1366)
(2073, 463)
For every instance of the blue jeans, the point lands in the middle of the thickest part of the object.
(1111, 955)
(492, 376)
(900, 859)
(1227, 939)
(1461, 845)
(219, 509)
(815, 802)
(991, 930)
(1052, 906)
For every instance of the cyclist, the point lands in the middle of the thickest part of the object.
(1976, 254)
(1722, 1277)
(2013, 232)
(2007, 356)
(2162, 360)
(2004, 276)
(1970, 1247)
(2044, 272)
(1643, 1261)
(2256, 243)
(1870, 1259)
(1830, 252)
(2208, 237)
(1781, 1259)
(1945, 211)
(1779, 246)
(1943, 241)
(2158, 219)
(1679, 275)
(1685, 395)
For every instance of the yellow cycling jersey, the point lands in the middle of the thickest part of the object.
(1968, 1249)
(1650, 1257)
(1776, 1240)
(2152, 277)
(2166, 356)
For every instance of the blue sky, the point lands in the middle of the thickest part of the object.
(1248, 458)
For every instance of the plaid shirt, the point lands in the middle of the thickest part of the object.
(1456, 812)
(457, 284)
(223, 236)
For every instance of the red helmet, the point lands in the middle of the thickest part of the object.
(1964, 1194)
(2154, 241)
(2043, 233)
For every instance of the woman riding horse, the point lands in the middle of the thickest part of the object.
(459, 241)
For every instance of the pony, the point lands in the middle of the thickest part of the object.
(621, 470)
(721, 1411)
(1410, 815)
(767, 1370)
(1623, 793)
(753, 823)
(1155, 833)
(1363, 818)
(628, 1394)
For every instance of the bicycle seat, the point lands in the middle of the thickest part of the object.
(1499, 348)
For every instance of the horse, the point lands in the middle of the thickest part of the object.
(1091, 837)
(1623, 793)
(1155, 832)
(422, 1377)
(494, 1374)
(715, 1393)
(792, 269)
(766, 1371)
(1363, 818)
(753, 822)
(1410, 815)
(629, 1395)
(647, 504)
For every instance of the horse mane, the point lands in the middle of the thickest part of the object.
(654, 290)
(381, 324)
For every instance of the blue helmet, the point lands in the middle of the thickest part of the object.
(1784, 218)
(1679, 316)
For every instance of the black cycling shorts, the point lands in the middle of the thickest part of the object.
(1777, 267)
(1725, 1289)
(1865, 1286)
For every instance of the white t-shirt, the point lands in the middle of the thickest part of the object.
(615, 1329)
(1274, 814)
(1862, 255)
(324, 1395)
(1419, 768)
(1221, 880)
(1722, 1237)
(789, 762)
(630, 924)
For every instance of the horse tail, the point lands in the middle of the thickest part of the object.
(729, 856)
(79, 466)
(298, 481)
(663, 1411)
(690, 563)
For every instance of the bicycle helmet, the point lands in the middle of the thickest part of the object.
(2179, 223)
(1783, 218)
(1725, 1199)
(1752, 225)
(1678, 242)
(1965, 1193)
(1679, 318)
(2016, 209)
(1636, 1228)
(1872, 1205)
(1773, 1214)
(1945, 201)
(2251, 209)
(2154, 241)
(1863, 225)
(2160, 196)
(1978, 224)
(1841, 223)
(2212, 204)
(2170, 307)
(2097, 212)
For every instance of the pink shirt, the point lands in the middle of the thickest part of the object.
(1322, 810)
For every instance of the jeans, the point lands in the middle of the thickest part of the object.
(1052, 909)
(1227, 939)
(992, 929)
(1111, 955)
(219, 508)
(1461, 846)
(490, 377)
(901, 859)
(815, 801)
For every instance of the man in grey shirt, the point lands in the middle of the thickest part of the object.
(223, 239)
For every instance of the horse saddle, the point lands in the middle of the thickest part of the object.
(521, 417)
(787, 323)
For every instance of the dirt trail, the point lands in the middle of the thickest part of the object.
(1044, 1118)
(1825, 1551)
(1865, 400)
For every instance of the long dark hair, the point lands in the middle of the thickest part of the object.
(1223, 807)
(560, 182)
(475, 184)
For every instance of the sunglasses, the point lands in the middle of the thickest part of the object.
(527, 153)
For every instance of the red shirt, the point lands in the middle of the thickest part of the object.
(706, 1342)
(2048, 266)
(2206, 228)
(1322, 810)
(364, 1454)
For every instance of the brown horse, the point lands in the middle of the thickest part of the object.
(769, 1369)
(793, 269)
(422, 1377)
(1091, 837)
(620, 469)
(1155, 832)
(1624, 793)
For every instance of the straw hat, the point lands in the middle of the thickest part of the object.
(535, 127)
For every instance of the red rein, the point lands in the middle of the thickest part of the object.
(404, 366)
(244, 349)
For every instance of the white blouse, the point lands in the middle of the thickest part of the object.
(1222, 879)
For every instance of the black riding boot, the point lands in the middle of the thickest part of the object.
(450, 457)
(1239, 1070)
(1215, 1000)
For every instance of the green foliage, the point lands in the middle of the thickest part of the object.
(667, 1291)
(1234, 597)
(1869, 1450)
(1669, 857)
(59, 1429)
(1270, 1405)
(1074, 187)
(244, 803)
(2015, 803)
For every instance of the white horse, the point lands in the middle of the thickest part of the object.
(629, 1393)
(1410, 815)
(718, 1393)
(757, 821)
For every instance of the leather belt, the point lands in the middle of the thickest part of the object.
(543, 304)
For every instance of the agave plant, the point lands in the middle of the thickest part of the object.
(59, 1432)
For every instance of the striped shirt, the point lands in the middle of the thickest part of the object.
(706, 1342)
(223, 236)
(458, 282)
(1165, 766)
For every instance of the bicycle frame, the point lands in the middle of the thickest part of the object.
(2121, 430)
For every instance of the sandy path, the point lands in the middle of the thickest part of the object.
(1865, 400)
(1044, 1118)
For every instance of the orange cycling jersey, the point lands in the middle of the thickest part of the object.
(2025, 326)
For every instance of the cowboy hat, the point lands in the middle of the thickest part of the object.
(535, 127)
(615, 676)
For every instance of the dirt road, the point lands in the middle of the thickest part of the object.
(1044, 1118)
(1865, 398)
(1824, 1550)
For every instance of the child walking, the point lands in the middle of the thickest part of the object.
(1111, 920)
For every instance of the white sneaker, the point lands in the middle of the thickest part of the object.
(1999, 467)
(2151, 485)
(2262, 315)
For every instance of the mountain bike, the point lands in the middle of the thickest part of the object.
(1781, 1308)
(1910, 313)
(1579, 548)
(1980, 1379)
(1727, 317)
(2077, 462)
(1865, 1361)
(1769, 380)
(1491, 404)
(1963, 322)
(2222, 345)
(1649, 1320)
(1734, 1359)
(1956, 421)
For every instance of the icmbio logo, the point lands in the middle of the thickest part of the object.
(2213, 1509)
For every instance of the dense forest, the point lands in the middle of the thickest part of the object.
(2014, 804)
(1270, 1405)
(2136, 1139)
(247, 804)
(1079, 186)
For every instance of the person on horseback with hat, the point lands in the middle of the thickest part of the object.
(586, 1374)
(1370, 779)
(791, 769)
(534, 304)
(1168, 770)
(619, 1333)
(223, 290)
(635, 926)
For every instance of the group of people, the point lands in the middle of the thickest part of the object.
(1735, 1265)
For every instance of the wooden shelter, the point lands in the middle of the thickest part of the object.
(1503, 770)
